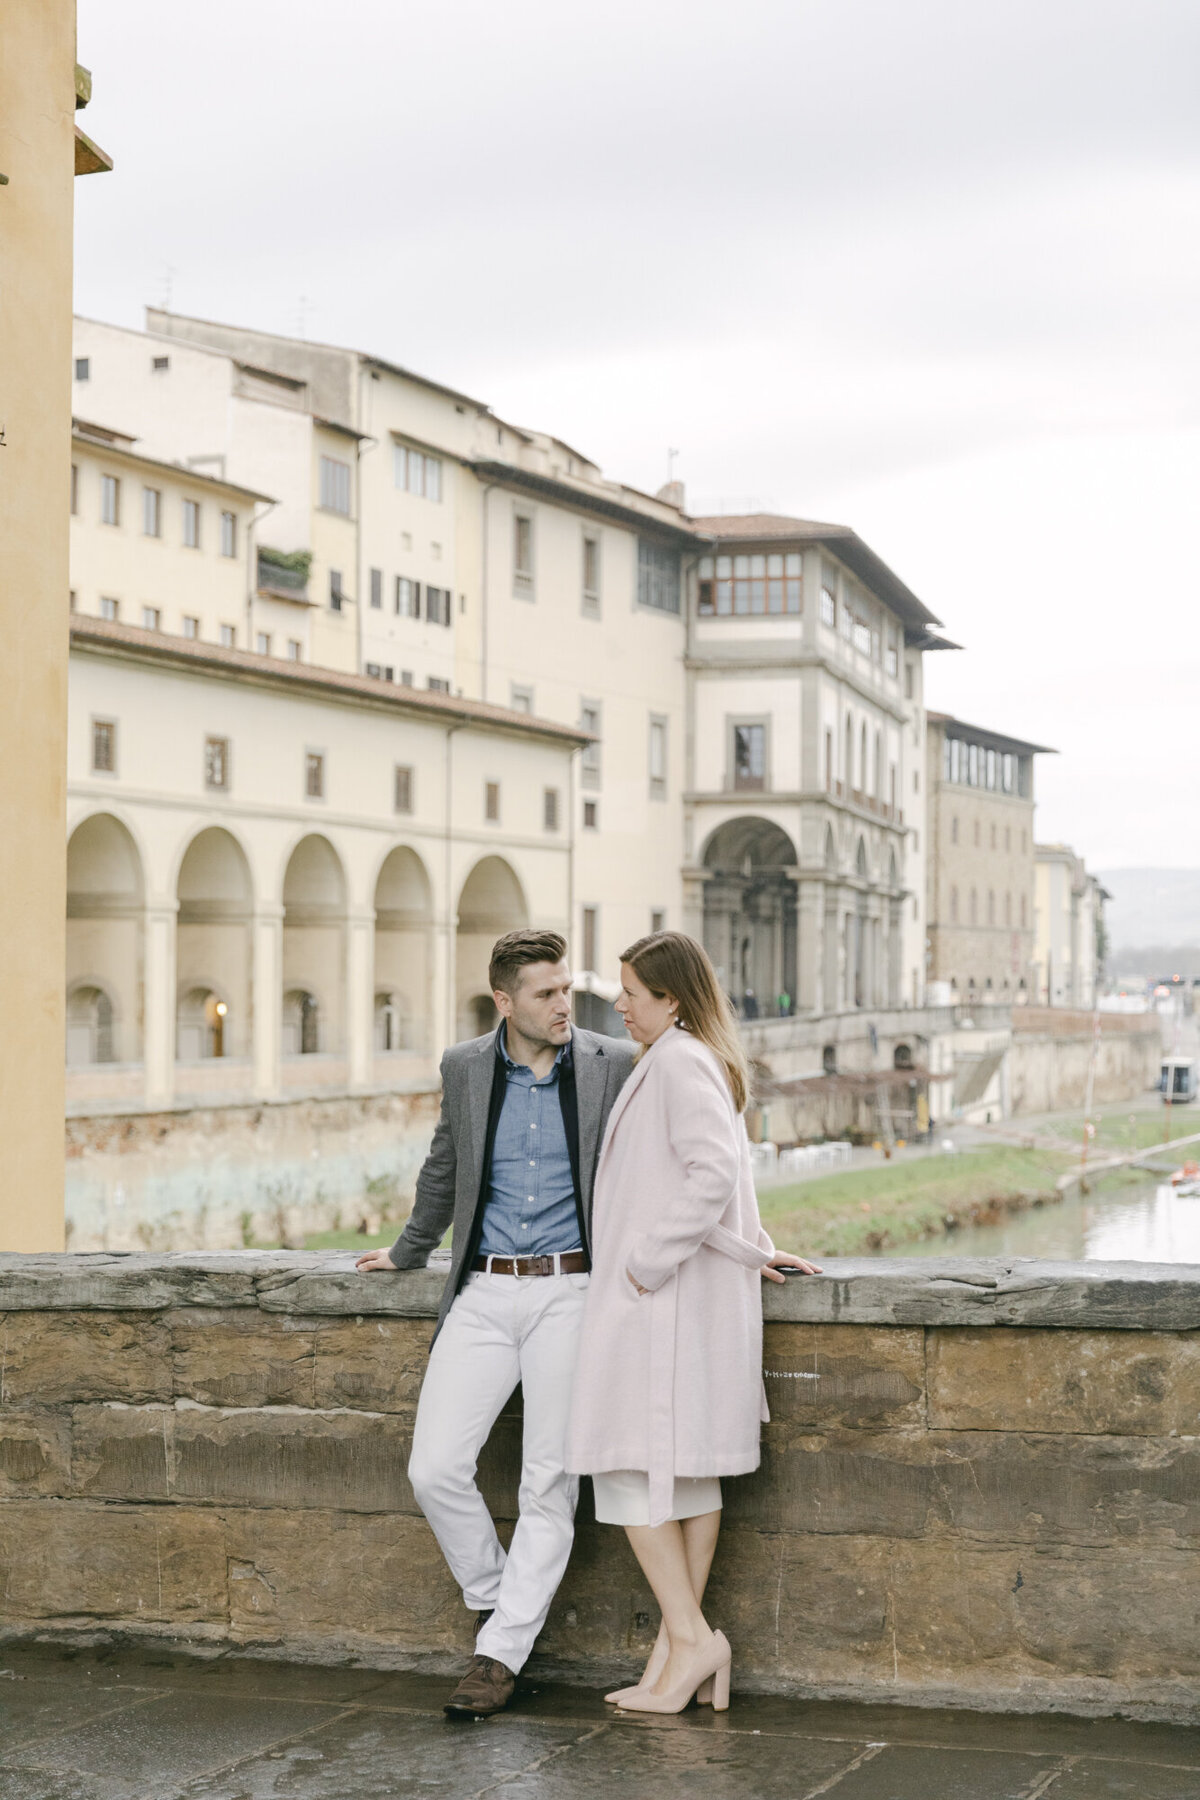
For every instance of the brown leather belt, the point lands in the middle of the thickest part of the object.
(565, 1262)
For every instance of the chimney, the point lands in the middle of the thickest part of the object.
(672, 494)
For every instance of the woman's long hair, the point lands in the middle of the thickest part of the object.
(675, 966)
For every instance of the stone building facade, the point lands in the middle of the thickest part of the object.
(1069, 928)
(980, 867)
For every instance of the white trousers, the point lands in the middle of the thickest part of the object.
(501, 1330)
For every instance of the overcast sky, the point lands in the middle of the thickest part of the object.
(929, 269)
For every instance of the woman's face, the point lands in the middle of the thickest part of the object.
(646, 1016)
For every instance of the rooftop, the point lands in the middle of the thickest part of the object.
(778, 528)
(991, 740)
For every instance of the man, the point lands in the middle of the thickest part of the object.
(511, 1164)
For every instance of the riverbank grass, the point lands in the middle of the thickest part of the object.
(863, 1210)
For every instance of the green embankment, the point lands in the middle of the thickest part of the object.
(896, 1203)
(870, 1208)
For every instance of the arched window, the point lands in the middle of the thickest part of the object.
(954, 906)
(89, 1026)
(1024, 914)
(391, 1023)
(301, 1023)
(902, 1057)
(991, 906)
(974, 907)
(202, 1026)
(878, 766)
(862, 759)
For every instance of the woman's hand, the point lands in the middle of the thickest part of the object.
(641, 1289)
(374, 1259)
(783, 1259)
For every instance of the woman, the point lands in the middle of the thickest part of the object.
(668, 1392)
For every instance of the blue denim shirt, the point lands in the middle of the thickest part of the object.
(530, 1209)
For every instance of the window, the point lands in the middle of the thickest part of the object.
(83, 368)
(954, 906)
(191, 524)
(522, 553)
(104, 746)
(991, 907)
(893, 658)
(993, 837)
(491, 802)
(589, 762)
(314, 774)
(438, 605)
(191, 626)
(408, 598)
(658, 920)
(109, 609)
(335, 590)
(1008, 909)
(262, 643)
(550, 798)
(749, 757)
(860, 636)
(846, 621)
(377, 589)
(295, 650)
(159, 365)
(228, 534)
(74, 487)
(402, 789)
(72, 599)
(1007, 773)
(908, 681)
(751, 584)
(977, 834)
(974, 907)
(227, 636)
(658, 759)
(591, 819)
(521, 699)
(416, 472)
(110, 500)
(216, 762)
(151, 512)
(658, 577)
(829, 762)
(437, 685)
(406, 678)
(828, 606)
(1023, 913)
(591, 575)
(151, 618)
(334, 485)
(591, 935)
(1008, 838)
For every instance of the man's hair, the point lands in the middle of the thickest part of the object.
(516, 950)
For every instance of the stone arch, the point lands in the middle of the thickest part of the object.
(104, 948)
(213, 948)
(314, 949)
(490, 902)
(403, 953)
(750, 914)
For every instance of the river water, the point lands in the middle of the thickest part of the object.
(1125, 1218)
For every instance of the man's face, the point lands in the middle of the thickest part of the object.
(540, 1005)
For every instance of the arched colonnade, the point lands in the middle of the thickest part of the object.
(271, 967)
(791, 938)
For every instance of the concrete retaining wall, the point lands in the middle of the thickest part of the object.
(980, 1486)
(1048, 1066)
(215, 1177)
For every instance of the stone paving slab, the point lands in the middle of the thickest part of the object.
(159, 1724)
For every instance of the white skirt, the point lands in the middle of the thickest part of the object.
(623, 1496)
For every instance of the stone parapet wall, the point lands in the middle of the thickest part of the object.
(1048, 1067)
(980, 1485)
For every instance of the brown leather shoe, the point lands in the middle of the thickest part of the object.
(487, 1687)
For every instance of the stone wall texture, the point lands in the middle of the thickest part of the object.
(980, 1483)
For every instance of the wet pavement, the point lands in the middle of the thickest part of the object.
(151, 1724)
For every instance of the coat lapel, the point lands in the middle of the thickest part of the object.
(622, 1101)
(480, 1070)
(591, 1081)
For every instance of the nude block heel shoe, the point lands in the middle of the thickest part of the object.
(714, 1661)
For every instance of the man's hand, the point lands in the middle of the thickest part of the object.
(374, 1259)
(783, 1259)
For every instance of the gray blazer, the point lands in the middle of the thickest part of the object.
(450, 1186)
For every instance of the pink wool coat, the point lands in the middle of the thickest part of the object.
(671, 1381)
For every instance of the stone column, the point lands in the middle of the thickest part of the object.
(267, 1001)
(810, 946)
(159, 1001)
(360, 994)
(443, 989)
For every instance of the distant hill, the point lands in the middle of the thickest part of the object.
(1151, 908)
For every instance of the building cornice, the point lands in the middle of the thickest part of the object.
(115, 449)
(762, 662)
(126, 643)
(563, 493)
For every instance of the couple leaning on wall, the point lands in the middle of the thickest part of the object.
(607, 1254)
